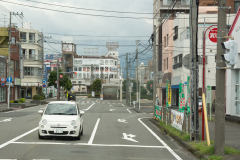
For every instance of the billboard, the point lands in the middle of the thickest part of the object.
(67, 47)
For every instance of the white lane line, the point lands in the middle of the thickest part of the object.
(41, 143)
(86, 144)
(15, 139)
(129, 111)
(94, 132)
(123, 105)
(6, 120)
(89, 107)
(119, 145)
(160, 140)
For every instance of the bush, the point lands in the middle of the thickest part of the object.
(89, 96)
(16, 101)
(37, 97)
(97, 95)
(22, 100)
(11, 101)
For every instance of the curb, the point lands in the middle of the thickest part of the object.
(138, 111)
(181, 142)
(6, 110)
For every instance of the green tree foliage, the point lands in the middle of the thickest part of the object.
(96, 85)
(65, 82)
(134, 86)
(149, 83)
(143, 91)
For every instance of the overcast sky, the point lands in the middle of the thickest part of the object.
(96, 27)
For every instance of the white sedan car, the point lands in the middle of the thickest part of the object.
(61, 118)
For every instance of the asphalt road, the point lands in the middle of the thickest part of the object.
(111, 131)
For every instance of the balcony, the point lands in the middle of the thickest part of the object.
(178, 65)
(175, 37)
(180, 4)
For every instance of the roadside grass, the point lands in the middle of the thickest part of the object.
(175, 132)
(200, 146)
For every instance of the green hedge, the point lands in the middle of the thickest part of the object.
(37, 97)
(89, 96)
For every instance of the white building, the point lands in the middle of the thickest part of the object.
(82, 66)
(32, 57)
(182, 48)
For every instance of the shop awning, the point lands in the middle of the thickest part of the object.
(175, 86)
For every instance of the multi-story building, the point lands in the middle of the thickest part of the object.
(14, 63)
(32, 57)
(87, 67)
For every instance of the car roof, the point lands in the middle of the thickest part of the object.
(62, 102)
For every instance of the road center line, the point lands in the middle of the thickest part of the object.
(129, 111)
(94, 132)
(160, 140)
(17, 138)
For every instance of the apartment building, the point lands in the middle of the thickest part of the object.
(87, 67)
(32, 58)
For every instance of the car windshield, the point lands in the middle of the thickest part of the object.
(61, 109)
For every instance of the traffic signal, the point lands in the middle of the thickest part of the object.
(231, 53)
(151, 86)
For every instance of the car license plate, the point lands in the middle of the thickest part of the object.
(58, 130)
(70, 96)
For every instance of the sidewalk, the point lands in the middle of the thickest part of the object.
(232, 127)
(4, 106)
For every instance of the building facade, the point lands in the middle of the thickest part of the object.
(32, 57)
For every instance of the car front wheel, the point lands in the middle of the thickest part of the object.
(79, 136)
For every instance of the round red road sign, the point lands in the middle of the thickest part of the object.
(56, 82)
(3, 79)
(61, 76)
(213, 35)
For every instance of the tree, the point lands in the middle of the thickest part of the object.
(143, 91)
(65, 82)
(134, 90)
(149, 83)
(96, 85)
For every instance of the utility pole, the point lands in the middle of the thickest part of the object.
(127, 78)
(9, 55)
(121, 86)
(62, 68)
(58, 84)
(137, 67)
(154, 68)
(91, 74)
(101, 68)
(219, 142)
(194, 70)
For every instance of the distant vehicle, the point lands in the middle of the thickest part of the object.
(61, 118)
(71, 96)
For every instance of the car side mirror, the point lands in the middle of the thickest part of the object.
(81, 112)
(40, 111)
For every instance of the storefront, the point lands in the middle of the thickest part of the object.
(2, 94)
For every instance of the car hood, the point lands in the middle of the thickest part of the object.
(59, 118)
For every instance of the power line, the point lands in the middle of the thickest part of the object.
(76, 12)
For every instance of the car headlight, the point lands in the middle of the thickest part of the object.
(73, 122)
(44, 121)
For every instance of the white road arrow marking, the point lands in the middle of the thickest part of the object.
(122, 120)
(6, 120)
(111, 109)
(129, 137)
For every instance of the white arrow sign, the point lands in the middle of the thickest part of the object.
(129, 137)
(122, 120)
(6, 120)
(111, 109)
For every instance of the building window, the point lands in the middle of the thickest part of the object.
(23, 53)
(175, 37)
(79, 68)
(113, 53)
(188, 32)
(97, 68)
(115, 63)
(164, 42)
(2, 69)
(31, 37)
(23, 36)
(32, 71)
(75, 68)
(32, 54)
(175, 60)
(12, 68)
(164, 64)
(106, 62)
(167, 64)
(16, 65)
(236, 5)
(180, 58)
(167, 39)
(79, 82)
(73, 82)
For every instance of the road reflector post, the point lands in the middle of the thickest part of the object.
(164, 114)
(205, 117)
(185, 121)
(188, 123)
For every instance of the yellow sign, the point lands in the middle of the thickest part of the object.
(169, 94)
